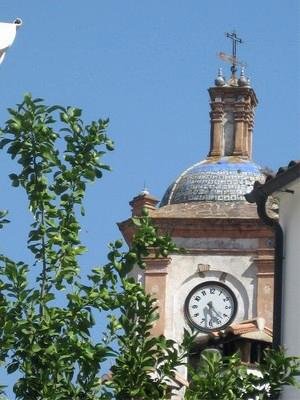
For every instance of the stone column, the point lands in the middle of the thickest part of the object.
(250, 133)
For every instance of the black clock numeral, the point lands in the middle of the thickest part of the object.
(228, 307)
(226, 299)
(212, 290)
(225, 315)
(203, 293)
(210, 323)
(202, 320)
(220, 292)
(196, 315)
(197, 298)
(194, 306)
(219, 321)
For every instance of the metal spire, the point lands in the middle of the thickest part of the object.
(145, 191)
(233, 58)
(235, 40)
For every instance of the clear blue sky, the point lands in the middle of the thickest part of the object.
(147, 66)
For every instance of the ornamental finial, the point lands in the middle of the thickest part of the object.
(232, 58)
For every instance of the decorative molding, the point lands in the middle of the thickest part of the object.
(156, 266)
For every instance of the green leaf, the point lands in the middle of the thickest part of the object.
(12, 367)
(4, 142)
(35, 348)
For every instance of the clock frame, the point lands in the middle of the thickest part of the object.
(210, 306)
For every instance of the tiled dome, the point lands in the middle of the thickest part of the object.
(225, 179)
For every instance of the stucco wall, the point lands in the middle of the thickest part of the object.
(237, 272)
(290, 222)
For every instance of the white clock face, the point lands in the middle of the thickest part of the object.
(210, 306)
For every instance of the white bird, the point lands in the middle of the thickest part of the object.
(7, 35)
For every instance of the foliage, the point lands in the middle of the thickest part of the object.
(218, 378)
(279, 370)
(145, 364)
(47, 341)
(228, 379)
(47, 323)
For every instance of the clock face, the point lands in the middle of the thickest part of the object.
(210, 306)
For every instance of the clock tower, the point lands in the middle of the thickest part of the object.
(222, 286)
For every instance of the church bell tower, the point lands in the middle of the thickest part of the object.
(222, 286)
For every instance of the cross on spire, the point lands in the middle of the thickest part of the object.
(235, 40)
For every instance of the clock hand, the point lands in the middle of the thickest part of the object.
(208, 310)
(210, 305)
(216, 312)
(212, 309)
(206, 313)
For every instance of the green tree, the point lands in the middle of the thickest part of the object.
(226, 378)
(48, 343)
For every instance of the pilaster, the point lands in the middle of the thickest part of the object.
(240, 124)
(216, 131)
(265, 287)
(155, 275)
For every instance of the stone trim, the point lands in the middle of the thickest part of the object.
(236, 252)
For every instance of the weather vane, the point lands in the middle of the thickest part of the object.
(232, 58)
(7, 35)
